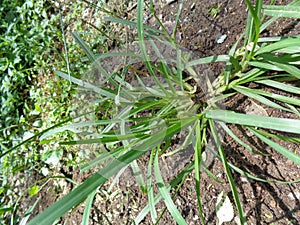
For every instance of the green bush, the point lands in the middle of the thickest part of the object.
(26, 38)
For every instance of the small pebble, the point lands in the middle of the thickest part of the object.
(221, 38)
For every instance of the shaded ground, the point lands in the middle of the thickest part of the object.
(264, 203)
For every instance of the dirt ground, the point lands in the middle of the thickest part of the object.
(264, 203)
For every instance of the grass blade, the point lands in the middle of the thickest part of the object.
(265, 65)
(280, 124)
(87, 85)
(293, 70)
(150, 192)
(209, 59)
(283, 151)
(228, 131)
(177, 19)
(281, 98)
(131, 24)
(263, 100)
(134, 165)
(282, 11)
(277, 46)
(28, 212)
(228, 173)
(166, 195)
(79, 194)
(280, 86)
(87, 208)
(198, 160)
(178, 179)
(270, 21)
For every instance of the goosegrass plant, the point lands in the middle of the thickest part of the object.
(143, 116)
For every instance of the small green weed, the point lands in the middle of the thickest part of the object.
(215, 10)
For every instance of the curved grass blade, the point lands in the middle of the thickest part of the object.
(209, 59)
(87, 85)
(131, 24)
(273, 19)
(228, 173)
(253, 24)
(282, 11)
(150, 192)
(166, 195)
(295, 140)
(34, 137)
(265, 65)
(134, 165)
(277, 46)
(248, 175)
(87, 208)
(181, 176)
(260, 98)
(28, 212)
(102, 158)
(106, 138)
(280, 124)
(136, 170)
(283, 151)
(293, 70)
(198, 160)
(74, 127)
(280, 86)
(177, 19)
(281, 98)
(141, 36)
(228, 131)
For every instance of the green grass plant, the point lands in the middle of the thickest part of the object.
(143, 119)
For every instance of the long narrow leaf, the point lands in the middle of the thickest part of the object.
(228, 173)
(282, 11)
(281, 98)
(280, 124)
(289, 42)
(150, 192)
(209, 59)
(260, 98)
(288, 154)
(280, 86)
(166, 195)
(273, 19)
(198, 160)
(293, 70)
(87, 208)
(87, 85)
(238, 140)
(181, 176)
(131, 24)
